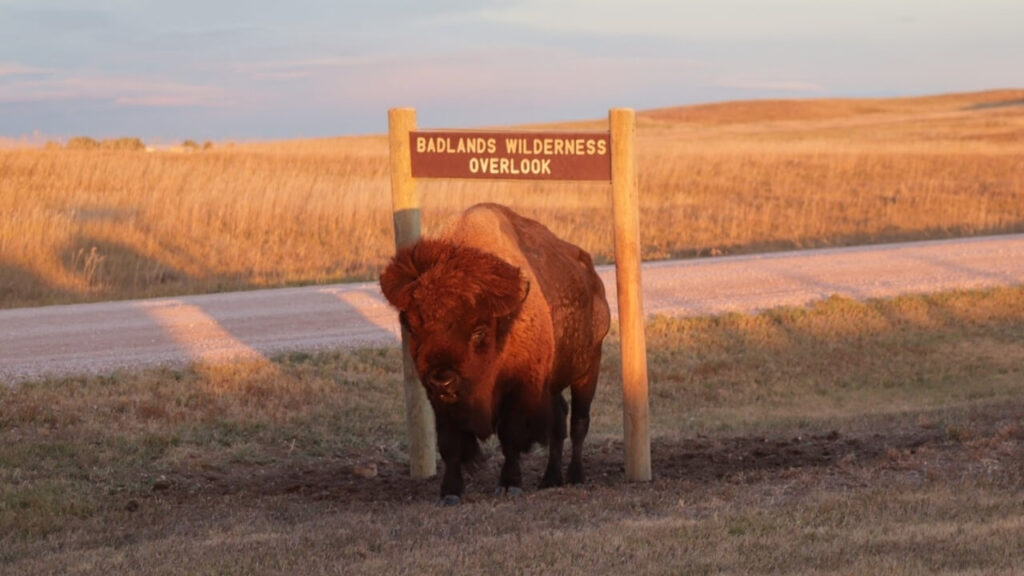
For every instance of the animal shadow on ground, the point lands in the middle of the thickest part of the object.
(677, 463)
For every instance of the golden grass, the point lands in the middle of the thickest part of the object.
(724, 178)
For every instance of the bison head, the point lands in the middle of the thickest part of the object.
(458, 305)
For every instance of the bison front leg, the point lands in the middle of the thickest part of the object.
(513, 443)
(454, 445)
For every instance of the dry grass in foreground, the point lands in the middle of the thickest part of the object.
(850, 438)
(725, 178)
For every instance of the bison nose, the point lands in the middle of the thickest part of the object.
(443, 383)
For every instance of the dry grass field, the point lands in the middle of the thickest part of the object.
(101, 224)
(884, 437)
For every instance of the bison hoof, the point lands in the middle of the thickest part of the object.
(449, 500)
(551, 481)
(576, 475)
(510, 491)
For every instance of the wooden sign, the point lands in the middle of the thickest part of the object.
(511, 155)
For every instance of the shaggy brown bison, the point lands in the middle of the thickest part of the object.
(502, 316)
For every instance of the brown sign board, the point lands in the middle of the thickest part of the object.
(510, 155)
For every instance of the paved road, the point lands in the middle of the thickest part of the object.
(103, 337)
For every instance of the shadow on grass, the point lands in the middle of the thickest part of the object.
(20, 286)
(104, 270)
(117, 270)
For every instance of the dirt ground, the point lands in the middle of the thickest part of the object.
(932, 492)
(984, 442)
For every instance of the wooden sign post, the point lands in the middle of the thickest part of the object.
(521, 155)
(405, 200)
(625, 203)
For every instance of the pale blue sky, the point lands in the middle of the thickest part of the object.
(274, 69)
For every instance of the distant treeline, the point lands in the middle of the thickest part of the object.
(127, 144)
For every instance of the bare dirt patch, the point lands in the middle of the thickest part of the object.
(918, 493)
(987, 439)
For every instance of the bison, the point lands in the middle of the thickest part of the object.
(502, 316)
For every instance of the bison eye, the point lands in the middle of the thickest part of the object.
(479, 335)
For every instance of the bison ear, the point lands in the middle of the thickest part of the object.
(399, 278)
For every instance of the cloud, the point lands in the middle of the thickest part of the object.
(160, 101)
(10, 69)
(506, 86)
(297, 68)
(771, 86)
(49, 86)
(738, 19)
(62, 19)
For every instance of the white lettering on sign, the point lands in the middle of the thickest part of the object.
(516, 155)
(510, 166)
(556, 146)
(445, 145)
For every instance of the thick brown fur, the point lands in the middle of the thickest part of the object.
(502, 317)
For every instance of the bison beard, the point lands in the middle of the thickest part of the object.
(502, 317)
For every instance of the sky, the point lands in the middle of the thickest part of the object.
(271, 69)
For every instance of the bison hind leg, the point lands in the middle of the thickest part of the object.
(579, 422)
(580, 426)
(556, 440)
(514, 435)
